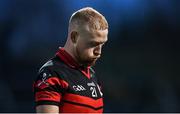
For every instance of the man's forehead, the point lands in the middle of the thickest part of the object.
(100, 33)
(98, 39)
(97, 33)
(86, 28)
(94, 35)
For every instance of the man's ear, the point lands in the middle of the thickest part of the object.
(74, 36)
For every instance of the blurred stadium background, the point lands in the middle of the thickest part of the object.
(140, 63)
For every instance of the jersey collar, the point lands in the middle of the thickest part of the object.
(68, 59)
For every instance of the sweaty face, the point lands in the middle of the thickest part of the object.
(89, 45)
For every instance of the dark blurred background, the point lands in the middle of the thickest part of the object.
(139, 67)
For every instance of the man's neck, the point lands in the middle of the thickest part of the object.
(71, 52)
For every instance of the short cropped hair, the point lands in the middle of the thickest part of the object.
(89, 16)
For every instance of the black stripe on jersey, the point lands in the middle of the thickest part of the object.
(40, 77)
(65, 101)
(55, 88)
(45, 102)
(85, 95)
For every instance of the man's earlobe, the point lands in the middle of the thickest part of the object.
(74, 36)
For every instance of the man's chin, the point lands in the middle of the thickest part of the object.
(90, 63)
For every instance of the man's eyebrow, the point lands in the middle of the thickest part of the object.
(98, 42)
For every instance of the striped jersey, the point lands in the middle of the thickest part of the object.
(62, 82)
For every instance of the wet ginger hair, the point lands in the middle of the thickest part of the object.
(87, 16)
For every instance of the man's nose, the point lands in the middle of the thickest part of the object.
(97, 51)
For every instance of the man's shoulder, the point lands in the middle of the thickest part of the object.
(54, 64)
(50, 64)
(51, 68)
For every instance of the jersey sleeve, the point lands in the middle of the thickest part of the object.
(48, 88)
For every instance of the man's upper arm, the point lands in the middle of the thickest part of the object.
(48, 89)
(47, 109)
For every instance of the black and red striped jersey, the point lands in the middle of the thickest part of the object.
(62, 82)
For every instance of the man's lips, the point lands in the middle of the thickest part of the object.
(95, 58)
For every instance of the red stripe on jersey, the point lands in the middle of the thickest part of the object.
(72, 108)
(83, 100)
(47, 95)
(51, 81)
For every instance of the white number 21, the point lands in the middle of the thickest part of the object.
(94, 93)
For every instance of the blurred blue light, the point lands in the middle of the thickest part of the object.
(5, 9)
